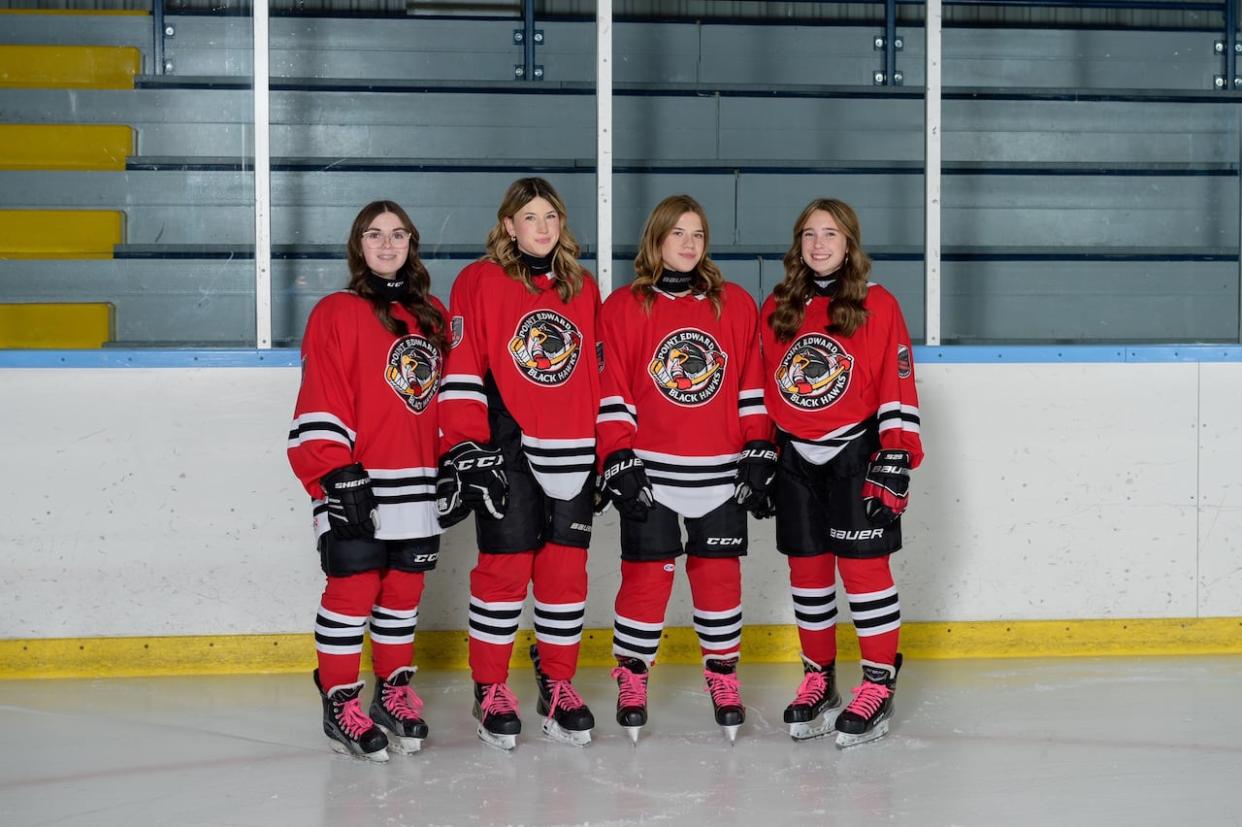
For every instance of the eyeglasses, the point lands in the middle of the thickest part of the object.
(376, 238)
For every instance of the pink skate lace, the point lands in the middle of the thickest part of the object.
(352, 719)
(867, 699)
(403, 702)
(724, 689)
(632, 687)
(498, 700)
(812, 689)
(564, 696)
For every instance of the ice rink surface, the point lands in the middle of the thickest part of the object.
(1107, 741)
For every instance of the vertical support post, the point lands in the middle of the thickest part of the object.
(603, 145)
(931, 174)
(262, 182)
(890, 42)
(1231, 41)
(157, 30)
(528, 41)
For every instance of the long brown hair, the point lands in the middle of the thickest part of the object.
(417, 279)
(649, 262)
(503, 250)
(797, 288)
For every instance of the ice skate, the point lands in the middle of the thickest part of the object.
(497, 712)
(726, 695)
(566, 716)
(813, 713)
(631, 677)
(397, 709)
(351, 731)
(866, 718)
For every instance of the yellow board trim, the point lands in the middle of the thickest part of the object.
(60, 233)
(248, 654)
(59, 326)
(65, 146)
(69, 67)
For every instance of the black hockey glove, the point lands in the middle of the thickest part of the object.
(450, 507)
(600, 498)
(625, 483)
(886, 491)
(481, 479)
(352, 513)
(756, 469)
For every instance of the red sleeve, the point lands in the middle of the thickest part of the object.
(755, 422)
(322, 436)
(898, 411)
(617, 421)
(463, 404)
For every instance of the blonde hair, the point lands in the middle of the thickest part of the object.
(649, 263)
(503, 250)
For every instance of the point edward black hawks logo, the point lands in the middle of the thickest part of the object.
(688, 366)
(546, 346)
(815, 372)
(413, 371)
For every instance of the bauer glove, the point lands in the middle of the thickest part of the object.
(625, 483)
(756, 469)
(886, 491)
(450, 507)
(352, 512)
(481, 480)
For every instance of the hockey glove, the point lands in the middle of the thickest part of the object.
(755, 471)
(600, 498)
(480, 473)
(625, 483)
(450, 507)
(886, 491)
(352, 513)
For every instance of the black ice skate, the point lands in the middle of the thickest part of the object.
(631, 677)
(351, 731)
(726, 695)
(397, 709)
(813, 713)
(866, 717)
(497, 711)
(567, 718)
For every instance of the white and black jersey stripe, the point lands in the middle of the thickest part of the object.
(691, 486)
(559, 623)
(393, 626)
(815, 609)
(719, 632)
(494, 622)
(616, 409)
(320, 425)
(635, 638)
(875, 613)
(896, 415)
(405, 499)
(825, 448)
(750, 403)
(462, 386)
(338, 634)
(560, 465)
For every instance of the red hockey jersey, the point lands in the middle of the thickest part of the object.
(684, 390)
(541, 354)
(368, 396)
(822, 388)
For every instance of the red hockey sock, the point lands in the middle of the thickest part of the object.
(340, 624)
(394, 618)
(560, 587)
(812, 583)
(873, 606)
(716, 591)
(498, 585)
(639, 608)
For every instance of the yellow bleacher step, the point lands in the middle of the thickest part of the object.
(60, 233)
(65, 146)
(69, 67)
(56, 325)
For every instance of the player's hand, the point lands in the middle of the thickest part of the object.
(625, 481)
(480, 472)
(451, 509)
(886, 491)
(352, 511)
(756, 469)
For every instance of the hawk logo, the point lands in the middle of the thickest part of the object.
(413, 371)
(688, 367)
(904, 366)
(546, 347)
(815, 372)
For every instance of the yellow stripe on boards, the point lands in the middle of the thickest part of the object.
(58, 326)
(60, 233)
(69, 67)
(248, 654)
(65, 146)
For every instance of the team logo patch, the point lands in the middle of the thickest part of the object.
(904, 365)
(546, 347)
(413, 371)
(815, 372)
(688, 367)
(457, 326)
(599, 355)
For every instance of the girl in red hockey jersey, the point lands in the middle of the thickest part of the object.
(839, 384)
(685, 438)
(518, 410)
(364, 443)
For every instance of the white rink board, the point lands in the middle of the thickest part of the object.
(159, 502)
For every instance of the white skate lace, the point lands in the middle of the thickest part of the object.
(403, 702)
(352, 719)
(564, 696)
(498, 700)
(632, 687)
(812, 689)
(724, 689)
(867, 699)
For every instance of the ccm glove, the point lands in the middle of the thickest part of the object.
(481, 480)
(352, 513)
(625, 483)
(886, 491)
(450, 507)
(755, 471)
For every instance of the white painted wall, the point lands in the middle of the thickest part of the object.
(159, 502)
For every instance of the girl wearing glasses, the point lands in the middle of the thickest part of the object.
(364, 444)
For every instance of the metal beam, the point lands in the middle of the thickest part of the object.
(262, 181)
(931, 173)
(603, 145)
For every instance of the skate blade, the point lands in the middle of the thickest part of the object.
(575, 738)
(825, 724)
(633, 731)
(508, 743)
(846, 740)
(730, 731)
(378, 757)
